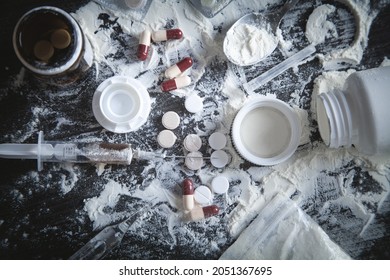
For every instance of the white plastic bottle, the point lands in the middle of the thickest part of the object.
(360, 114)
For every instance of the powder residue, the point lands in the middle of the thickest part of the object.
(100, 208)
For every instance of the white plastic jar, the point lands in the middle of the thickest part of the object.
(360, 114)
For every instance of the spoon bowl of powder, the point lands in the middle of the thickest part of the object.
(253, 37)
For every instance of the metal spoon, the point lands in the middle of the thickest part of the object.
(269, 21)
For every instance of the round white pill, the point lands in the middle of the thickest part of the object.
(217, 141)
(203, 195)
(194, 103)
(220, 184)
(170, 120)
(194, 160)
(166, 138)
(192, 143)
(219, 159)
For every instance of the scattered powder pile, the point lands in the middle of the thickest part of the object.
(317, 27)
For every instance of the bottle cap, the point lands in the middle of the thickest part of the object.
(121, 104)
(266, 131)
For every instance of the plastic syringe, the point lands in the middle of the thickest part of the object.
(54, 151)
(106, 240)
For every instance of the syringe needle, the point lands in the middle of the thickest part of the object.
(107, 239)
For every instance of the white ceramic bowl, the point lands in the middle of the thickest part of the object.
(266, 131)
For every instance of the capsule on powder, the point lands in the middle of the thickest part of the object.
(144, 44)
(203, 212)
(178, 68)
(188, 194)
(175, 83)
(168, 34)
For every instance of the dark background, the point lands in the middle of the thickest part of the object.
(54, 234)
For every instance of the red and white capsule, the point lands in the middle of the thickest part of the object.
(144, 45)
(178, 68)
(188, 194)
(201, 213)
(175, 83)
(167, 34)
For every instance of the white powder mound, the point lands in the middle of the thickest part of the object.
(317, 27)
(100, 208)
(283, 231)
(247, 44)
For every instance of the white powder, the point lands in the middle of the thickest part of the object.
(317, 27)
(364, 16)
(247, 44)
(100, 208)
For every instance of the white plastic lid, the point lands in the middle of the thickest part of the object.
(121, 104)
(203, 195)
(266, 131)
(220, 184)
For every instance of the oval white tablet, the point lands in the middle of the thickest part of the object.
(220, 184)
(194, 103)
(219, 159)
(166, 138)
(170, 120)
(192, 143)
(203, 195)
(217, 141)
(194, 160)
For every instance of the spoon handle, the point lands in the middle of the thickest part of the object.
(275, 71)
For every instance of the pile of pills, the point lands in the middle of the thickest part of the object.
(174, 74)
(166, 138)
(45, 48)
(197, 202)
(195, 212)
(194, 159)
